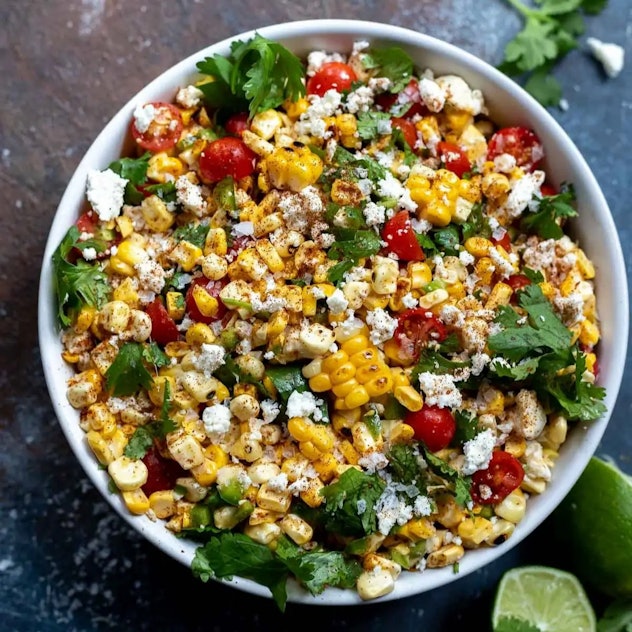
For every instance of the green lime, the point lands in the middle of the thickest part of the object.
(542, 598)
(594, 524)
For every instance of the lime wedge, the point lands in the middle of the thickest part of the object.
(547, 599)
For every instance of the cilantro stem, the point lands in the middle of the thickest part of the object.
(522, 9)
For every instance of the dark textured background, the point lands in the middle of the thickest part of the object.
(67, 562)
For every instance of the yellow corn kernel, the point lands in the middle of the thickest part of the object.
(136, 501)
(266, 124)
(357, 397)
(300, 428)
(485, 269)
(512, 507)
(175, 305)
(379, 385)
(270, 256)
(591, 360)
(368, 356)
(334, 361)
(500, 295)
(215, 242)
(156, 214)
(125, 225)
(295, 108)
(344, 388)
(156, 391)
(292, 168)
(515, 446)
(568, 285)
(434, 298)
(205, 473)
(408, 397)
(478, 246)
(343, 373)
(310, 303)
(273, 499)
(311, 496)
(449, 514)
(127, 293)
(399, 377)
(355, 344)
(349, 452)
(84, 388)
(445, 556)
(584, 265)
(297, 529)
(216, 454)
(493, 402)
(320, 383)
(495, 185)
(199, 334)
(322, 437)
(162, 503)
(473, 531)
(186, 255)
(268, 224)
(84, 319)
(161, 165)
(100, 447)
(206, 303)
(401, 433)
(589, 333)
(420, 529)
(419, 273)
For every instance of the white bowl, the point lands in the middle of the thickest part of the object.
(508, 105)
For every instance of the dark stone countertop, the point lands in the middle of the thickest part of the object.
(67, 561)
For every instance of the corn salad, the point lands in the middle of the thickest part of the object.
(343, 331)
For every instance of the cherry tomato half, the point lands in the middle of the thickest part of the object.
(164, 128)
(333, 75)
(503, 474)
(454, 158)
(519, 142)
(433, 425)
(504, 241)
(161, 473)
(517, 281)
(415, 329)
(225, 157)
(409, 96)
(237, 124)
(548, 189)
(163, 327)
(213, 288)
(400, 237)
(408, 130)
(87, 223)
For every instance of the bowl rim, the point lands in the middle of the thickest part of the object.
(352, 30)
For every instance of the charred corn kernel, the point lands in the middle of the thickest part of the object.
(408, 397)
(156, 214)
(259, 145)
(379, 385)
(357, 397)
(369, 371)
(495, 185)
(420, 529)
(175, 305)
(343, 373)
(99, 416)
(103, 355)
(436, 297)
(161, 165)
(268, 224)
(368, 356)
(333, 361)
(449, 514)
(512, 507)
(186, 255)
(125, 225)
(292, 168)
(215, 242)
(501, 530)
(127, 293)
(350, 454)
(117, 443)
(485, 269)
(326, 466)
(205, 473)
(296, 529)
(199, 334)
(244, 407)
(344, 388)
(252, 264)
(214, 267)
(136, 501)
(266, 124)
(278, 323)
(589, 333)
(207, 304)
(515, 446)
(100, 447)
(445, 556)
(315, 340)
(186, 450)
(311, 496)
(128, 474)
(385, 274)
(374, 584)
(114, 316)
(478, 246)
(500, 295)
(273, 499)
(473, 531)
(217, 455)
(269, 255)
(247, 448)
(401, 433)
(84, 388)
(584, 264)
(162, 503)
(363, 440)
(420, 274)
(84, 319)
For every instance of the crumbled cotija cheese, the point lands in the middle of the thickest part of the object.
(105, 191)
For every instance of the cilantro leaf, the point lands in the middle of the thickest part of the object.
(76, 284)
(370, 124)
(405, 465)
(461, 484)
(466, 427)
(544, 87)
(258, 74)
(617, 617)
(134, 170)
(341, 508)
(514, 624)
(532, 47)
(354, 244)
(128, 372)
(193, 233)
(337, 272)
(392, 62)
(153, 354)
(551, 211)
(477, 224)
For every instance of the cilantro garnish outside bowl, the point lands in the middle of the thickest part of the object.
(508, 104)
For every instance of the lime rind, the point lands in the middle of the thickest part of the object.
(547, 598)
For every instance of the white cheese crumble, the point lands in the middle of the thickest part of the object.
(391, 510)
(374, 214)
(189, 96)
(478, 452)
(190, 196)
(210, 359)
(610, 55)
(304, 405)
(270, 410)
(382, 325)
(105, 191)
(431, 94)
(522, 191)
(409, 301)
(216, 420)
(440, 390)
(337, 302)
(89, 254)
(143, 117)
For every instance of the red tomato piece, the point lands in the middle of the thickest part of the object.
(408, 130)
(519, 142)
(164, 129)
(400, 237)
(161, 473)
(415, 329)
(225, 157)
(433, 425)
(237, 124)
(504, 241)
(332, 75)
(503, 474)
(517, 281)
(408, 96)
(213, 288)
(163, 327)
(454, 158)
(87, 223)
(548, 189)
